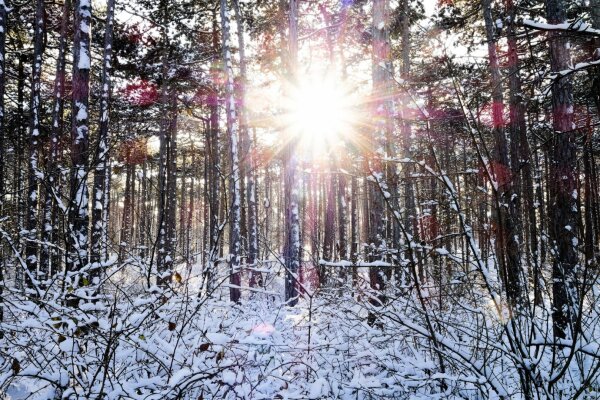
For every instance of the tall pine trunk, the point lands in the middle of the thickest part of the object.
(3, 28)
(78, 208)
(232, 131)
(250, 150)
(50, 257)
(522, 161)
(100, 197)
(213, 173)
(291, 251)
(381, 67)
(562, 180)
(507, 246)
(34, 173)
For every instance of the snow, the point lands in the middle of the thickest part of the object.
(84, 58)
(82, 112)
(319, 349)
(218, 338)
(577, 26)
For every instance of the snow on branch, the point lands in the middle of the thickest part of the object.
(578, 67)
(577, 26)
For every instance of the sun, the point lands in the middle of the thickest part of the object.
(320, 113)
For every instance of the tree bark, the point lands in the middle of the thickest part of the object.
(381, 67)
(100, 192)
(78, 211)
(34, 173)
(292, 227)
(49, 257)
(250, 151)
(342, 222)
(3, 28)
(212, 140)
(507, 246)
(521, 160)
(562, 180)
(232, 131)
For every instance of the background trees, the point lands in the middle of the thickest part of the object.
(431, 169)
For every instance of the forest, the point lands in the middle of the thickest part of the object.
(299, 199)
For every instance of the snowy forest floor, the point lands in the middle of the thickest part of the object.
(143, 343)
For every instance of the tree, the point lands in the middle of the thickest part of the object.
(291, 252)
(232, 131)
(77, 256)
(100, 197)
(563, 227)
(34, 173)
(50, 258)
(381, 68)
(3, 28)
(250, 151)
(505, 207)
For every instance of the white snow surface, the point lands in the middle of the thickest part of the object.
(182, 344)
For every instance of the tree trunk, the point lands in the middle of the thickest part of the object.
(521, 160)
(562, 180)
(19, 177)
(381, 78)
(183, 201)
(249, 150)
(34, 174)
(212, 141)
(78, 210)
(507, 246)
(329, 235)
(49, 257)
(292, 227)
(410, 219)
(171, 195)
(167, 195)
(144, 211)
(125, 239)
(100, 192)
(342, 223)
(354, 234)
(3, 28)
(232, 131)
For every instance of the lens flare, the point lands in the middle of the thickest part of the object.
(319, 112)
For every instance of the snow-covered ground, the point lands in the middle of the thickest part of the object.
(149, 344)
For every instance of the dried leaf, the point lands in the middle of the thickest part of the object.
(177, 277)
(204, 346)
(16, 366)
